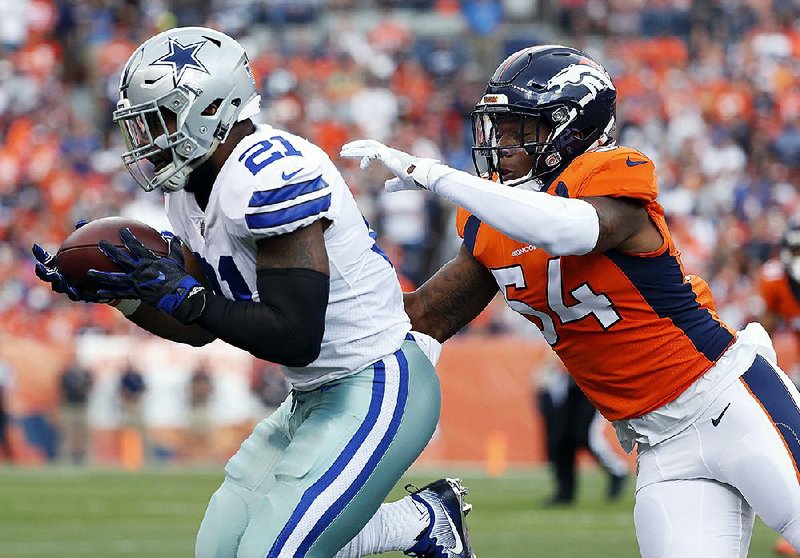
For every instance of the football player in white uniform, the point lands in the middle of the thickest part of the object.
(294, 277)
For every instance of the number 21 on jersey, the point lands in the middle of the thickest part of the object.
(589, 302)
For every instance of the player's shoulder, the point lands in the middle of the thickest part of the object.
(615, 171)
(462, 215)
(616, 157)
(270, 158)
(274, 183)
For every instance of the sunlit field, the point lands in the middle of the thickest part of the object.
(89, 513)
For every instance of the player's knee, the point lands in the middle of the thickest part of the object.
(223, 524)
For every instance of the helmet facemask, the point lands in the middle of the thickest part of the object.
(512, 147)
(159, 152)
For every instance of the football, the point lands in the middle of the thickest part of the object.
(79, 252)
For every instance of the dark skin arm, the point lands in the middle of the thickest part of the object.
(460, 290)
(624, 225)
(303, 248)
(452, 298)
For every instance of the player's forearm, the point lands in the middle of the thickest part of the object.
(450, 299)
(162, 324)
(441, 326)
(560, 226)
(285, 327)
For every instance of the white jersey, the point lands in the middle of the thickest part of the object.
(274, 183)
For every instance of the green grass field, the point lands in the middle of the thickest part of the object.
(90, 513)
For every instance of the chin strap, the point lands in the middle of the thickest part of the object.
(177, 180)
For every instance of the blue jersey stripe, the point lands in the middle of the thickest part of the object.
(288, 192)
(378, 389)
(764, 383)
(269, 219)
(471, 233)
(660, 281)
(375, 248)
(383, 446)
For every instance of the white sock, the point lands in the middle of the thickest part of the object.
(395, 526)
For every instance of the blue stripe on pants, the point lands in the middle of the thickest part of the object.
(767, 387)
(344, 458)
(334, 511)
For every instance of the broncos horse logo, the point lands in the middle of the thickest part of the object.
(586, 76)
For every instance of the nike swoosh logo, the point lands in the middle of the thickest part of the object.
(458, 547)
(715, 421)
(290, 175)
(634, 163)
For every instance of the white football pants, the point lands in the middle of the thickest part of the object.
(697, 492)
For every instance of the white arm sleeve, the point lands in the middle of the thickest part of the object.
(559, 226)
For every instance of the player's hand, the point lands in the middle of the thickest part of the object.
(47, 271)
(160, 281)
(411, 171)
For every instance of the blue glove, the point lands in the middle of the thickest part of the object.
(47, 271)
(160, 281)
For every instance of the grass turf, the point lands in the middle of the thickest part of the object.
(84, 513)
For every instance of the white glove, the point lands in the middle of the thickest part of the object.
(411, 172)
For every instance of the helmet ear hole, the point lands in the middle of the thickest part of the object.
(212, 108)
(585, 133)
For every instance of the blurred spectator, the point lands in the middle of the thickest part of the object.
(269, 386)
(134, 439)
(484, 17)
(779, 290)
(199, 434)
(76, 384)
(572, 423)
(6, 378)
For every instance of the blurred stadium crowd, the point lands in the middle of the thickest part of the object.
(708, 89)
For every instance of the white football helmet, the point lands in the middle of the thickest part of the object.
(180, 93)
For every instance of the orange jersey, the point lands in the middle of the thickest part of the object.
(633, 329)
(778, 295)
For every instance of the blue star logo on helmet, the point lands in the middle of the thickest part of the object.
(181, 58)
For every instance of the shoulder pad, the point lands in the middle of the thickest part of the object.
(283, 188)
(614, 172)
(461, 220)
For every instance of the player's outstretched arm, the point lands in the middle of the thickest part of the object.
(560, 226)
(452, 298)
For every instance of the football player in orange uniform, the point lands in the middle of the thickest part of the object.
(779, 286)
(565, 223)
